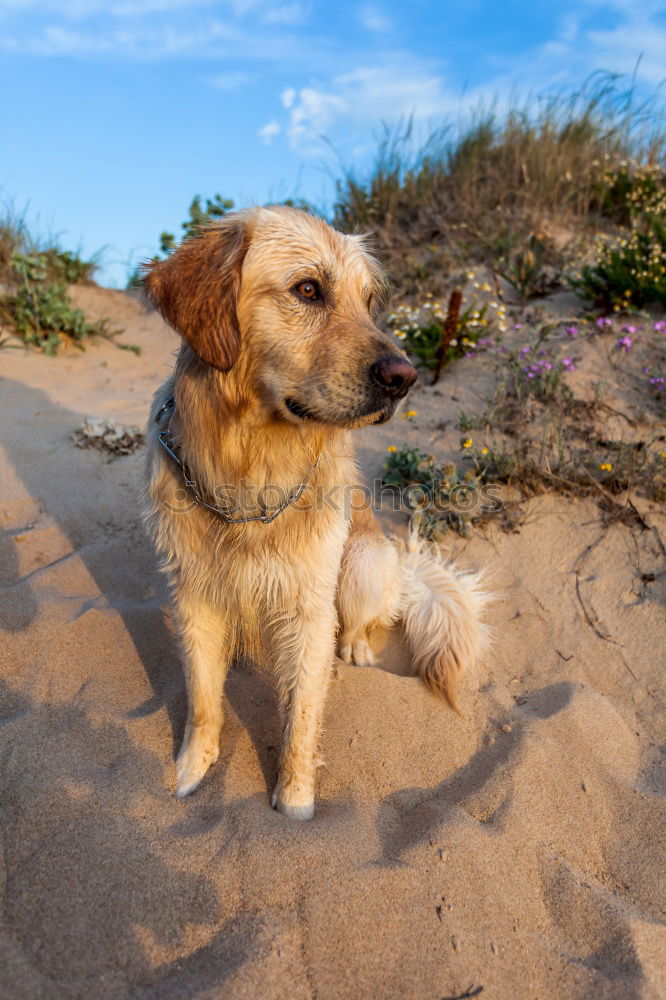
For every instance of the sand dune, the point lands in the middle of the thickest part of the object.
(519, 847)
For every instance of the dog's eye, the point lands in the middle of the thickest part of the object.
(309, 290)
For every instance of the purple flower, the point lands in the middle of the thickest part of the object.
(603, 321)
(660, 326)
(624, 344)
(525, 350)
(658, 380)
(571, 331)
(568, 365)
(628, 328)
(519, 326)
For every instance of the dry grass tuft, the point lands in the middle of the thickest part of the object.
(487, 188)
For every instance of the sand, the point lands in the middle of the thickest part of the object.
(518, 848)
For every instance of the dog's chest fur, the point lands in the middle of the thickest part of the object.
(251, 571)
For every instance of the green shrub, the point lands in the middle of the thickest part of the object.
(631, 271)
(420, 328)
(405, 466)
(438, 496)
(52, 265)
(530, 268)
(215, 208)
(36, 304)
(42, 315)
(200, 215)
(632, 190)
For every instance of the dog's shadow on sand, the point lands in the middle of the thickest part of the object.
(104, 533)
(107, 535)
(84, 880)
(411, 816)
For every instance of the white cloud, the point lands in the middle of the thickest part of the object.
(291, 13)
(161, 38)
(373, 19)
(395, 90)
(400, 85)
(80, 10)
(269, 12)
(367, 96)
(621, 47)
(64, 41)
(345, 91)
(288, 97)
(268, 132)
(579, 49)
(312, 113)
(230, 81)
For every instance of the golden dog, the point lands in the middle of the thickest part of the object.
(280, 359)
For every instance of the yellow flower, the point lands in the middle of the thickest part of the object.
(467, 443)
(662, 454)
(605, 467)
(409, 413)
(391, 447)
(484, 451)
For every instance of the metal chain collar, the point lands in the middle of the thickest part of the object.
(167, 443)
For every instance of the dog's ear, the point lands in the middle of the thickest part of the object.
(196, 289)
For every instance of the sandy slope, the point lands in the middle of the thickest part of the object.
(518, 848)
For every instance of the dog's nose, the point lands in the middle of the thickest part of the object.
(395, 375)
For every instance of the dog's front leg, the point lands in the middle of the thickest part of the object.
(206, 655)
(305, 644)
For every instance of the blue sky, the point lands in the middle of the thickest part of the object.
(114, 113)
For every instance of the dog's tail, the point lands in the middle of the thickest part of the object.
(441, 612)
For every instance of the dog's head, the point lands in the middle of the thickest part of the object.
(290, 302)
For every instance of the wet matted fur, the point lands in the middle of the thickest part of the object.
(280, 360)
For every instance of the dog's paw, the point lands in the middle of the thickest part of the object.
(363, 655)
(194, 760)
(346, 652)
(357, 652)
(293, 805)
